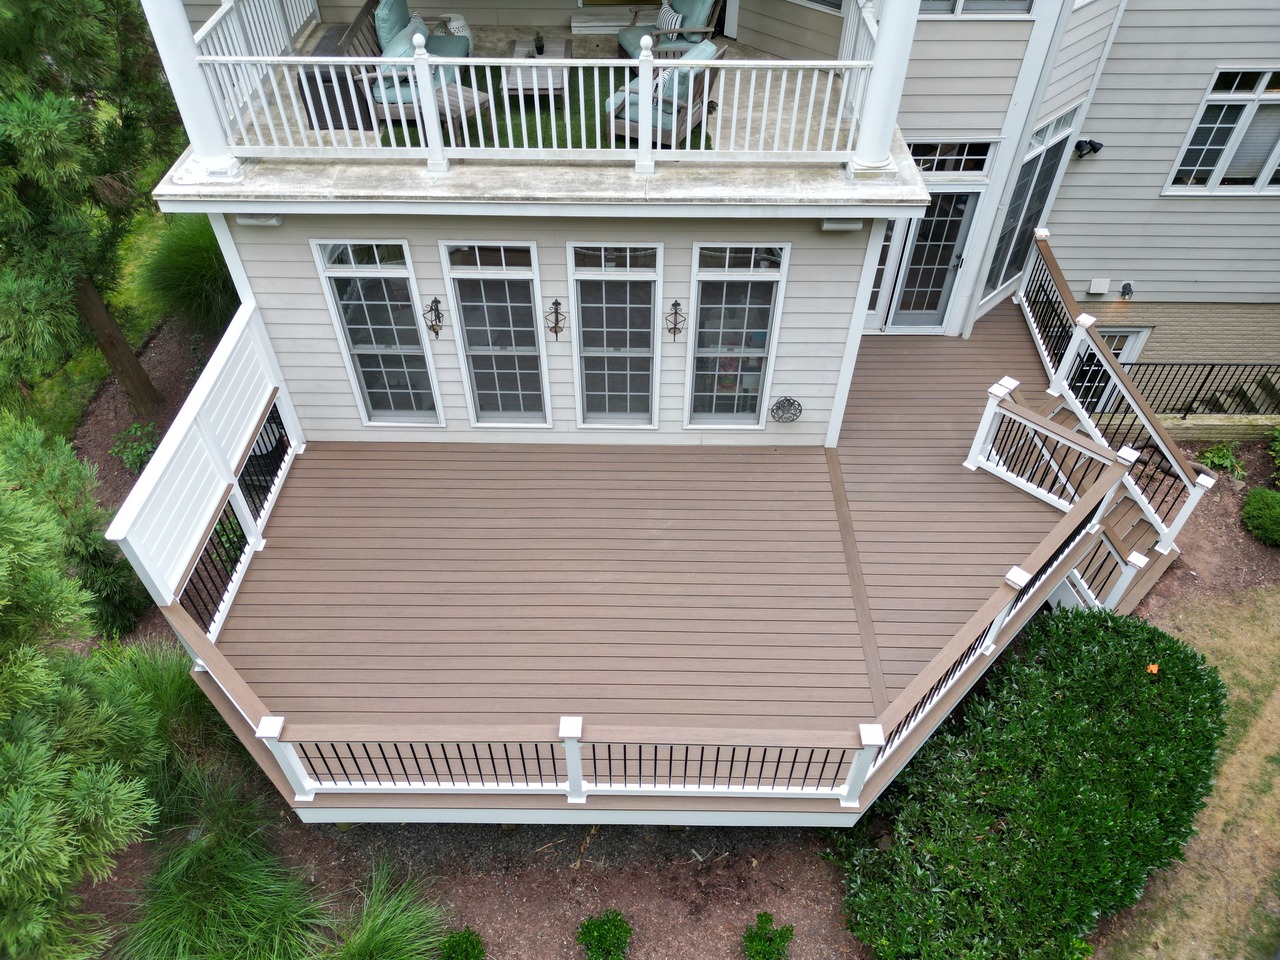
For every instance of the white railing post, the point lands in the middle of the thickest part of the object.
(210, 149)
(894, 35)
(571, 734)
(990, 420)
(1079, 337)
(645, 120)
(269, 730)
(872, 742)
(238, 502)
(1132, 567)
(1203, 483)
(429, 108)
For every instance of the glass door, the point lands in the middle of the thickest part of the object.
(924, 264)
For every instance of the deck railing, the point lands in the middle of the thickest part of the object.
(1225, 388)
(193, 520)
(510, 111)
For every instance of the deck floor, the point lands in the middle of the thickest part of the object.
(730, 595)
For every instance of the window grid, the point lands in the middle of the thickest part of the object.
(951, 157)
(499, 335)
(1235, 143)
(615, 324)
(371, 291)
(975, 6)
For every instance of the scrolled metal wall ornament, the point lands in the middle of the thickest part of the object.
(786, 410)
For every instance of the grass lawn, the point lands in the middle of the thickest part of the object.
(1224, 901)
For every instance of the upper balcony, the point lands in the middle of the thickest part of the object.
(279, 81)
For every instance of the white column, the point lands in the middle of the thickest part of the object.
(269, 730)
(210, 153)
(431, 131)
(645, 120)
(872, 740)
(1132, 567)
(894, 34)
(571, 734)
(990, 421)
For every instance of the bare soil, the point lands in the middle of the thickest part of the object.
(691, 893)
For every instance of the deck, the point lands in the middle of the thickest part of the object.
(755, 596)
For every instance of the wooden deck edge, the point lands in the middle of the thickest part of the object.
(257, 749)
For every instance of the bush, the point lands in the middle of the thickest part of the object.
(396, 923)
(1273, 447)
(1222, 458)
(605, 937)
(136, 445)
(764, 941)
(1077, 773)
(464, 944)
(1261, 515)
(186, 276)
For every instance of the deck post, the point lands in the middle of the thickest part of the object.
(431, 131)
(252, 532)
(1076, 346)
(1133, 565)
(873, 740)
(571, 734)
(1203, 483)
(990, 420)
(269, 730)
(646, 120)
(896, 31)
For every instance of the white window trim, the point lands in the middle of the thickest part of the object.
(459, 335)
(696, 274)
(842, 11)
(576, 273)
(963, 177)
(335, 315)
(1251, 102)
(959, 11)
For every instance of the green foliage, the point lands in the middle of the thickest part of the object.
(136, 445)
(76, 739)
(1222, 457)
(1261, 515)
(464, 944)
(1273, 447)
(1077, 773)
(49, 470)
(764, 941)
(186, 276)
(395, 923)
(605, 937)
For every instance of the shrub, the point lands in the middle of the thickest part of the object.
(1273, 447)
(395, 923)
(136, 445)
(1261, 515)
(186, 276)
(1222, 458)
(764, 941)
(605, 937)
(464, 944)
(1077, 773)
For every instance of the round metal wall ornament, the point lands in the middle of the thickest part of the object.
(786, 410)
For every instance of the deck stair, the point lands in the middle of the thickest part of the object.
(1260, 396)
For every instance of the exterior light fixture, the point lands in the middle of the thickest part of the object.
(433, 317)
(555, 319)
(1126, 290)
(675, 320)
(1085, 147)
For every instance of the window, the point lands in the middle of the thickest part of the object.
(975, 6)
(737, 302)
(1235, 145)
(615, 291)
(1031, 193)
(371, 295)
(499, 340)
(951, 157)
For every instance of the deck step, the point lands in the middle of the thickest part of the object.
(1269, 384)
(1255, 399)
(611, 20)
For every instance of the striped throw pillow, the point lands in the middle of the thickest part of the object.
(669, 22)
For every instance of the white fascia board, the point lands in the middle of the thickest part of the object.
(581, 815)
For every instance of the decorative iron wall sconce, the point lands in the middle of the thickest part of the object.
(786, 410)
(555, 319)
(1085, 147)
(675, 320)
(433, 317)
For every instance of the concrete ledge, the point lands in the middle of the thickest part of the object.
(1212, 427)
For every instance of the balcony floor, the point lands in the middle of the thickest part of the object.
(707, 595)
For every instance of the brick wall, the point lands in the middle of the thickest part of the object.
(1197, 332)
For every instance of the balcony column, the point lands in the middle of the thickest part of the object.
(210, 154)
(894, 34)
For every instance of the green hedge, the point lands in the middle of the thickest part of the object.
(1078, 772)
(1261, 515)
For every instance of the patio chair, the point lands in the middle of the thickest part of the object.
(677, 106)
(698, 23)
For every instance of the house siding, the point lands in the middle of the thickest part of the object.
(1076, 62)
(789, 30)
(199, 13)
(1110, 220)
(961, 97)
(818, 295)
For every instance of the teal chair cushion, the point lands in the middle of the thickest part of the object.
(390, 17)
(695, 13)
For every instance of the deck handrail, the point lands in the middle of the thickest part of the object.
(1177, 388)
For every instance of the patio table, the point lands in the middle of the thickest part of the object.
(532, 78)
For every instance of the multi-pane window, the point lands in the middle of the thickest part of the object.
(975, 6)
(1235, 144)
(951, 157)
(498, 339)
(1031, 194)
(371, 290)
(734, 330)
(615, 293)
